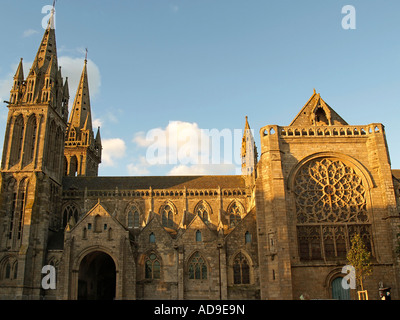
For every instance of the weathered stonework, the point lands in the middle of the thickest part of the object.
(278, 231)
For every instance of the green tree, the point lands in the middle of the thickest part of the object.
(360, 258)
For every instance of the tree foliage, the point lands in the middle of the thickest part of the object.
(360, 258)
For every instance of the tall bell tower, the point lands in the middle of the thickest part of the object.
(31, 169)
(82, 148)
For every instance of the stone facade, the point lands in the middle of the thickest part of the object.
(279, 230)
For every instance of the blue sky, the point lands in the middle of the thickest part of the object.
(206, 64)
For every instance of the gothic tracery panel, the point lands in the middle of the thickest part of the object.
(331, 206)
(329, 191)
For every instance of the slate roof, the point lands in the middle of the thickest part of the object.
(155, 182)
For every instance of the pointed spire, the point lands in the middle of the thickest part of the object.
(247, 126)
(66, 88)
(45, 60)
(81, 113)
(19, 74)
(47, 46)
(249, 151)
(98, 138)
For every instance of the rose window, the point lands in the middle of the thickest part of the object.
(329, 191)
(331, 207)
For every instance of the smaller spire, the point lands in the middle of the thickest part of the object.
(66, 88)
(19, 75)
(249, 151)
(247, 126)
(98, 138)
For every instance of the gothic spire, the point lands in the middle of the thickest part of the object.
(249, 151)
(19, 74)
(47, 47)
(81, 115)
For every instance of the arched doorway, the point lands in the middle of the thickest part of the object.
(338, 292)
(97, 277)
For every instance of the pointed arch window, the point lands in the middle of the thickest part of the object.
(133, 217)
(197, 267)
(30, 140)
(9, 269)
(58, 149)
(50, 147)
(73, 166)
(15, 273)
(72, 134)
(70, 211)
(202, 210)
(167, 214)
(130, 219)
(235, 214)
(241, 270)
(152, 238)
(152, 267)
(21, 206)
(17, 138)
(17, 208)
(12, 187)
(321, 118)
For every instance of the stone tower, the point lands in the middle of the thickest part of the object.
(31, 169)
(320, 181)
(82, 150)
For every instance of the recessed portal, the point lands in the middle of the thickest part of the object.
(97, 277)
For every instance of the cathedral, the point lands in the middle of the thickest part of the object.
(278, 231)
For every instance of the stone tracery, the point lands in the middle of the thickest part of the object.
(330, 207)
(329, 191)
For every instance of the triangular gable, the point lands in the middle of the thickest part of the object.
(154, 223)
(309, 115)
(198, 224)
(98, 209)
(239, 226)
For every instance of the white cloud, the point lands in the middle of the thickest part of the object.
(97, 123)
(113, 149)
(29, 32)
(180, 141)
(139, 168)
(191, 150)
(140, 139)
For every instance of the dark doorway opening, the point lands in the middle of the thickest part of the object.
(97, 277)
